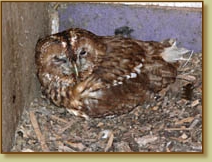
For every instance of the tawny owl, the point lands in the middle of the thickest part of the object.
(97, 76)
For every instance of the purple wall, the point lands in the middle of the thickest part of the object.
(148, 23)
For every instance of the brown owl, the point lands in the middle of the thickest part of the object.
(97, 76)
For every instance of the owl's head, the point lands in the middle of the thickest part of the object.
(73, 51)
(83, 49)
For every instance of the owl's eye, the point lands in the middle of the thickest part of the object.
(59, 60)
(83, 52)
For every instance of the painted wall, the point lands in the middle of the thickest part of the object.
(149, 23)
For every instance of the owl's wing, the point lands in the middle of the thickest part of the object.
(126, 77)
(139, 61)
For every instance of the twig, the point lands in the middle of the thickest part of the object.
(38, 133)
(176, 129)
(180, 139)
(44, 111)
(78, 146)
(188, 59)
(110, 142)
(66, 127)
(59, 119)
(185, 120)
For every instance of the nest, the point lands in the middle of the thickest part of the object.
(170, 123)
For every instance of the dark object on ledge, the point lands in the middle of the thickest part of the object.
(124, 31)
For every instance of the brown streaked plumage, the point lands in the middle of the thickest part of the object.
(97, 76)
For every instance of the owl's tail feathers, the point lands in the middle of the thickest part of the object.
(172, 53)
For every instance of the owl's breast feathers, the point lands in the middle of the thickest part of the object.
(118, 73)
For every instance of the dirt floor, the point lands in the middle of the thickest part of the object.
(170, 123)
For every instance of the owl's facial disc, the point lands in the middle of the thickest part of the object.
(77, 60)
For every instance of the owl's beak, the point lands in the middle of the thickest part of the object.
(75, 69)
